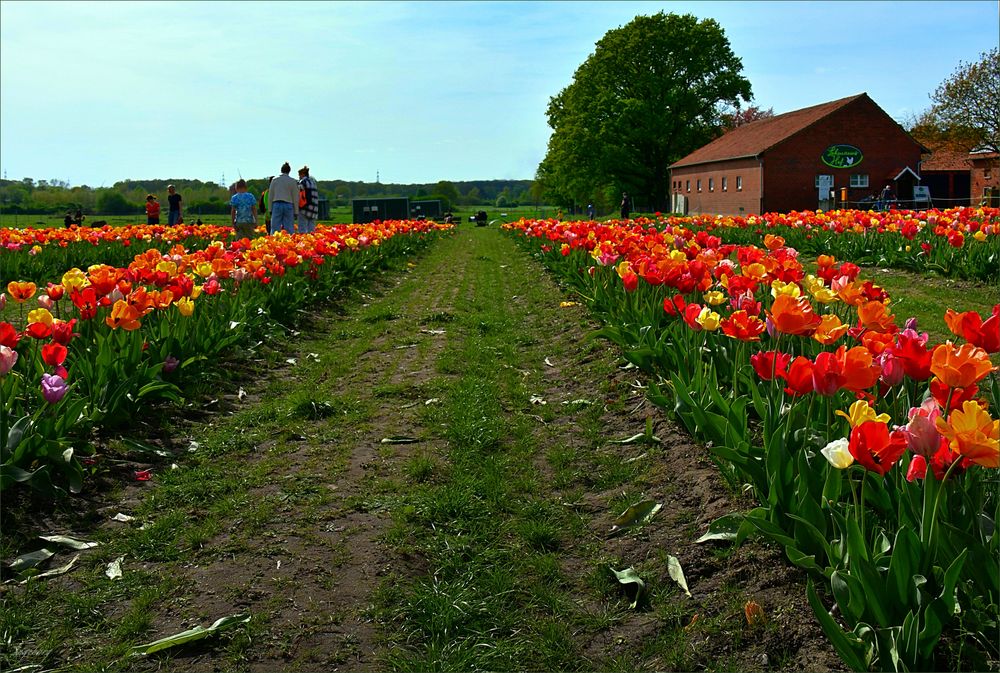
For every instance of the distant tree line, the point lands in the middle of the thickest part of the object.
(128, 197)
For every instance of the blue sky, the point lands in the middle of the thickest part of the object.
(94, 92)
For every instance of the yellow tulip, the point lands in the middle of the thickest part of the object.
(75, 279)
(708, 319)
(186, 306)
(40, 315)
(860, 412)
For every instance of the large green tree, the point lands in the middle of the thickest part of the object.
(652, 91)
(967, 105)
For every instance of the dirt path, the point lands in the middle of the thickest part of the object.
(313, 508)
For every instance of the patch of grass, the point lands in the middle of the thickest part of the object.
(421, 468)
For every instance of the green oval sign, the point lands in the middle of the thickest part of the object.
(842, 156)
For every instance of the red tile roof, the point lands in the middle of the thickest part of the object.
(751, 140)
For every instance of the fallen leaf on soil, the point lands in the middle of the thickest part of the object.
(291, 361)
(567, 304)
(638, 514)
(241, 394)
(433, 331)
(55, 571)
(399, 348)
(676, 573)
(582, 402)
(114, 569)
(549, 362)
(143, 475)
(70, 542)
(197, 633)
(31, 559)
(399, 440)
(538, 399)
(630, 579)
(432, 400)
(124, 518)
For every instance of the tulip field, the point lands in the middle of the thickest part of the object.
(871, 452)
(81, 350)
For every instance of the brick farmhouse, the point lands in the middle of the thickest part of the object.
(850, 147)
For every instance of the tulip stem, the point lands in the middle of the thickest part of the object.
(932, 529)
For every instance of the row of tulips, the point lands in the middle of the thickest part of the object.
(957, 242)
(872, 452)
(97, 346)
(36, 253)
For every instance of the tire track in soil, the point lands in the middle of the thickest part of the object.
(315, 602)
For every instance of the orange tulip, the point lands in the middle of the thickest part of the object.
(960, 367)
(793, 316)
(973, 434)
(103, 278)
(830, 329)
(21, 291)
(851, 294)
(877, 342)
(772, 242)
(123, 315)
(875, 316)
(860, 369)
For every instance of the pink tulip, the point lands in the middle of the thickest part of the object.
(8, 356)
(922, 437)
(170, 364)
(45, 301)
(892, 369)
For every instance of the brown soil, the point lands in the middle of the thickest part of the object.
(313, 575)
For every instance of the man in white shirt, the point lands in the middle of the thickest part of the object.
(283, 197)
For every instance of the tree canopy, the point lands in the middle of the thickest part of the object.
(966, 107)
(652, 91)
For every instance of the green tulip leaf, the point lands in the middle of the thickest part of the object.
(638, 514)
(191, 635)
(72, 543)
(31, 559)
(677, 573)
(633, 584)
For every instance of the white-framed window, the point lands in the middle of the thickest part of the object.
(699, 184)
(816, 181)
(859, 180)
(689, 185)
(711, 184)
(725, 184)
(739, 183)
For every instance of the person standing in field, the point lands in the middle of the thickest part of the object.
(174, 215)
(244, 211)
(283, 197)
(308, 201)
(152, 210)
(626, 206)
(262, 205)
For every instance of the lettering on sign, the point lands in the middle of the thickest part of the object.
(842, 156)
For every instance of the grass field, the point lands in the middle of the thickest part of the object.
(339, 215)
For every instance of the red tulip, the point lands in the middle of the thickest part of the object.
(875, 448)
